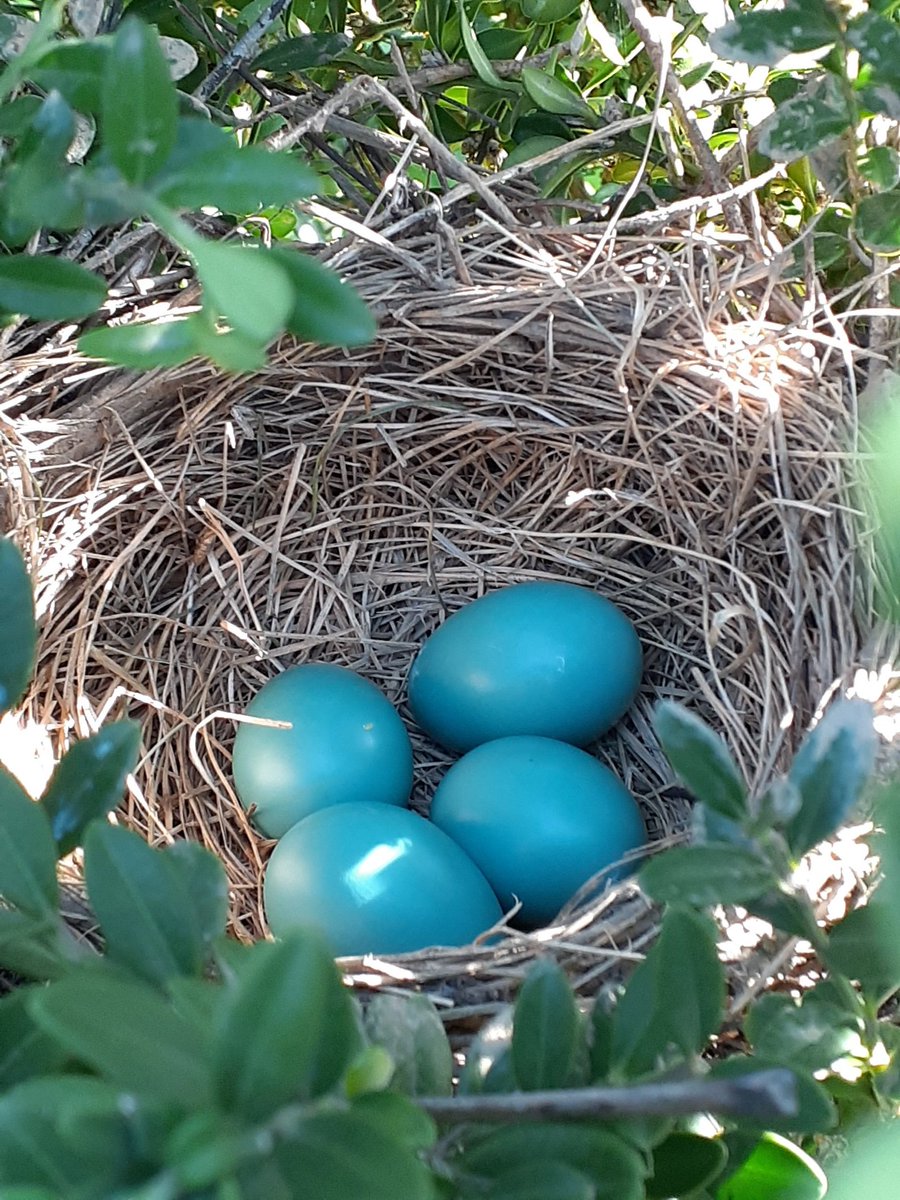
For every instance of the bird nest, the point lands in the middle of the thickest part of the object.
(650, 418)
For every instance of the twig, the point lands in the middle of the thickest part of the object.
(762, 1096)
(242, 50)
(645, 26)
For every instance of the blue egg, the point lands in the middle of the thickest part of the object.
(376, 879)
(539, 817)
(346, 743)
(550, 659)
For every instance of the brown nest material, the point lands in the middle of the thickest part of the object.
(536, 405)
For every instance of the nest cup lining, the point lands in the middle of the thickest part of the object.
(619, 422)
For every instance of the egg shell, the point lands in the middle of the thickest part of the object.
(376, 879)
(539, 817)
(346, 744)
(550, 659)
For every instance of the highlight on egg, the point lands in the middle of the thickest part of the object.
(346, 743)
(539, 817)
(376, 879)
(546, 659)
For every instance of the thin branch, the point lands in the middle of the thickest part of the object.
(762, 1096)
(242, 50)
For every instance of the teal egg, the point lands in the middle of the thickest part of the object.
(550, 659)
(539, 817)
(376, 879)
(346, 743)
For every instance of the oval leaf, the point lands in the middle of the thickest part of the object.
(204, 879)
(325, 310)
(89, 780)
(545, 1029)
(27, 852)
(683, 1164)
(410, 1030)
(551, 95)
(142, 904)
(775, 1167)
(18, 632)
(75, 70)
(542, 1181)
(126, 1032)
(25, 1049)
(877, 222)
(477, 57)
(301, 53)
(48, 289)
(707, 875)
(701, 760)
(140, 109)
(806, 121)
(288, 1029)
(143, 346)
(815, 1108)
(830, 770)
(245, 286)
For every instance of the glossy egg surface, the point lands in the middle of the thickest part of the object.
(376, 879)
(539, 817)
(550, 659)
(346, 744)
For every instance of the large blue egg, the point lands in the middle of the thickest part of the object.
(346, 743)
(539, 817)
(551, 659)
(376, 879)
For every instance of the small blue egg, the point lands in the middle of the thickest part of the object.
(539, 817)
(550, 659)
(376, 879)
(346, 743)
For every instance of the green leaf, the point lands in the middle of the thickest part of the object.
(615, 1169)
(481, 64)
(701, 760)
(371, 1071)
(683, 1164)
(865, 947)
(142, 904)
(337, 1155)
(30, 946)
(816, 1111)
(830, 770)
(126, 1032)
(75, 69)
(775, 1167)
(765, 38)
(545, 1028)
(16, 115)
(398, 1118)
(491, 1043)
(214, 171)
(25, 1049)
(230, 349)
(18, 632)
(48, 289)
(140, 109)
(72, 1134)
(551, 95)
(810, 1036)
(601, 1035)
(674, 999)
(877, 222)
(802, 124)
(881, 166)
(788, 912)
(89, 780)
(877, 39)
(325, 310)
(40, 185)
(143, 346)
(410, 1030)
(548, 12)
(541, 1181)
(707, 875)
(202, 1150)
(206, 884)
(27, 852)
(248, 287)
(880, 486)
(288, 1029)
(301, 53)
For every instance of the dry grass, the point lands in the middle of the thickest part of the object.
(635, 417)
